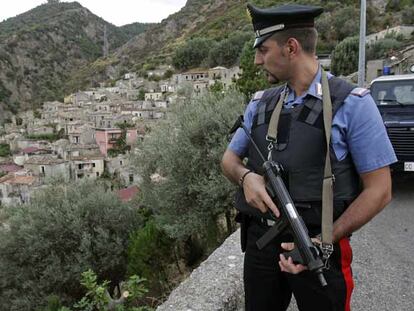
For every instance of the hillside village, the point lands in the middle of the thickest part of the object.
(93, 133)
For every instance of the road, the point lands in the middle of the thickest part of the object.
(383, 262)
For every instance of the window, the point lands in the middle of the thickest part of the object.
(131, 178)
(97, 174)
(120, 162)
(93, 165)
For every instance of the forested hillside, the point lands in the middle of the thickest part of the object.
(222, 25)
(39, 50)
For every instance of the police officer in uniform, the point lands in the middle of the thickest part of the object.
(357, 147)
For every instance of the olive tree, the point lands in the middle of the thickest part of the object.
(184, 152)
(64, 231)
(345, 57)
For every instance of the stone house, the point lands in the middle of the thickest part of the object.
(156, 72)
(191, 75)
(153, 96)
(71, 113)
(48, 166)
(66, 151)
(87, 167)
(160, 104)
(200, 86)
(21, 157)
(132, 94)
(227, 76)
(130, 75)
(81, 133)
(122, 168)
(42, 130)
(78, 99)
(167, 87)
(17, 188)
(101, 119)
(50, 110)
(102, 106)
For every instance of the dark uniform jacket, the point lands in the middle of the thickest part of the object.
(301, 151)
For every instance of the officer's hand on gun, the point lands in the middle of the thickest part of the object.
(256, 194)
(286, 264)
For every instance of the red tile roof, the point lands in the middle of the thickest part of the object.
(128, 193)
(9, 167)
(30, 150)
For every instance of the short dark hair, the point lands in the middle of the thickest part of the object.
(307, 37)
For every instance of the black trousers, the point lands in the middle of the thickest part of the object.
(269, 289)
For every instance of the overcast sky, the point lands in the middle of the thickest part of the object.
(118, 12)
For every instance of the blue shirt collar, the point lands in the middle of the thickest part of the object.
(315, 89)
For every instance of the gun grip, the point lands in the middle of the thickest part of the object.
(295, 255)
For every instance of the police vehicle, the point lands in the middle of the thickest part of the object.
(394, 96)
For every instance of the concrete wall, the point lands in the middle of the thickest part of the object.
(215, 285)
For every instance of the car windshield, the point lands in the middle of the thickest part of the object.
(397, 92)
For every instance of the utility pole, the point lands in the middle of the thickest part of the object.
(362, 35)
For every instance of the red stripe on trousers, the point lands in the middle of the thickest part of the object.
(346, 259)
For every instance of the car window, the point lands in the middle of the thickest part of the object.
(393, 92)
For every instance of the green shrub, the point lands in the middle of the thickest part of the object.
(4, 150)
(383, 48)
(192, 54)
(252, 78)
(65, 230)
(149, 254)
(345, 57)
(227, 52)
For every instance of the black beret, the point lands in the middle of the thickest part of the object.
(268, 21)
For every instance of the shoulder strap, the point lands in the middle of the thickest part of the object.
(274, 120)
(328, 179)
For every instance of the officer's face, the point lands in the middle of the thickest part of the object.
(274, 61)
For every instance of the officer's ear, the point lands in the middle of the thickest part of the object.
(292, 46)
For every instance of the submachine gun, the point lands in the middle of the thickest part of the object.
(305, 252)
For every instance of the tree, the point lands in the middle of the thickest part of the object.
(4, 150)
(408, 16)
(252, 78)
(185, 151)
(344, 22)
(150, 247)
(141, 94)
(383, 48)
(227, 52)
(65, 230)
(192, 54)
(345, 57)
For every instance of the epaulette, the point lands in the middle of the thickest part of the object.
(258, 95)
(360, 91)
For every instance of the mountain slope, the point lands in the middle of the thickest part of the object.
(40, 48)
(218, 19)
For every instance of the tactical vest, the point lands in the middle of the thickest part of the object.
(301, 151)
